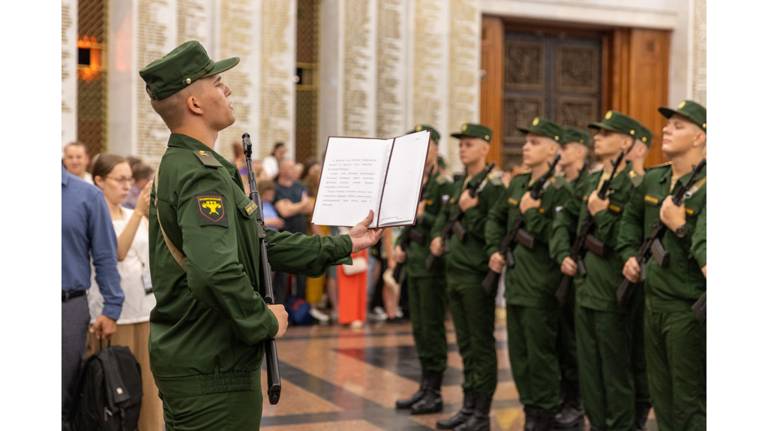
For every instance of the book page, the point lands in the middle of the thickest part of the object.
(351, 181)
(402, 185)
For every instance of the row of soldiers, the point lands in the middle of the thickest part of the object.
(602, 269)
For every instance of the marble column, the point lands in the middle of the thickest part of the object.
(68, 71)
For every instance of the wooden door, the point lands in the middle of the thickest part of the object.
(552, 74)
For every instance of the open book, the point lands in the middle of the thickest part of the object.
(361, 174)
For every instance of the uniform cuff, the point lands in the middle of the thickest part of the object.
(112, 311)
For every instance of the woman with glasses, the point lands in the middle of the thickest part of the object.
(112, 174)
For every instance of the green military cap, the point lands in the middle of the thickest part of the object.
(645, 136)
(472, 130)
(544, 127)
(184, 65)
(615, 121)
(572, 134)
(433, 133)
(689, 109)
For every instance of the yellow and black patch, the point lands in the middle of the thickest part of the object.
(211, 209)
(614, 208)
(690, 211)
(653, 200)
(250, 208)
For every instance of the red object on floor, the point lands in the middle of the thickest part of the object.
(352, 292)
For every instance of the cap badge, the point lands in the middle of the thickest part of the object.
(188, 81)
(487, 138)
(418, 128)
(535, 121)
(608, 115)
(680, 106)
(632, 132)
(464, 127)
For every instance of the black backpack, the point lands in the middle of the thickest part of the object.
(109, 392)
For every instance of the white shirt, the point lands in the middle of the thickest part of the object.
(134, 272)
(270, 166)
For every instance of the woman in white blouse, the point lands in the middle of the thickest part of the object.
(112, 174)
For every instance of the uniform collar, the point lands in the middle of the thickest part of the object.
(177, 140)
(668, 175)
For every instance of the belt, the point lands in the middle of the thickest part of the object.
(66, 295)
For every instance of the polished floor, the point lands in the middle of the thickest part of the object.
(337, 378)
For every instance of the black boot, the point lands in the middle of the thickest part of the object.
(480, 420)
(432, 401)
(467, 408)
(544, 421)
(408, 402)
(641, 415)
(570, 416)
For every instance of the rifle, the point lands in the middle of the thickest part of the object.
(518, 235)
(652, 246)
(273, 365)
(699, 308)
(585, 239)
(399, 272)
(454, 223)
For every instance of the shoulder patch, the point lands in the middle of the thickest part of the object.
(207, 159)
(210, 209)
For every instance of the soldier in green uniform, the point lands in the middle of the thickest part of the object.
(533, 313)
(472, 308)
(208, 329)
(637, 305)
(426, 289)
(675, 342)
(574, 168)
(603, 329)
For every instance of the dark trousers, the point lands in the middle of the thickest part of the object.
(74, 329)
(676, 351)
(532, 342)
(566, 352)
(604, 346)
(426, 297)
(474, 313)
(222, 411)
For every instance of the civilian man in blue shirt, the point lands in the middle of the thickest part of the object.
(86, 233)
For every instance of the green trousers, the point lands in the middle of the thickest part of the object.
(426, 301)
(223, 411)
(566, 353)
(676, 349)
(532, 342)
(639, 369)
(604, 347)
(473, 312)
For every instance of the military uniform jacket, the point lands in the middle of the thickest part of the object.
(466, 261)
(596, 290)
(677, 286)
(209, 324)
(535, 277)
(437, 189)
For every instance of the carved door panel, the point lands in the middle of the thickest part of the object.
(549, 74)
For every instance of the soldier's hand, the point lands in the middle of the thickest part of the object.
(632, 270)
(282, 318)
(527, 202)
(466, 201)
(103, 327)
(436, 247)
(399, 254)
(569, 267)
(142, 203)
(362, 237)
(595, 204)
(672, 215)
(496, 262)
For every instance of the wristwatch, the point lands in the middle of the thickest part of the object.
(682, 231)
